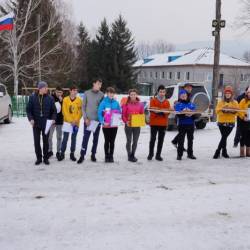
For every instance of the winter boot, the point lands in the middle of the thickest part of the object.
(225, 154)
(50, 154)
(192, 157)
(72, 157)
(132, 158)
(57, 155)
(93, 158)
(111, 159)
(158, 158)
(38, 162)
(150, 157)
(61, 157)
(179, 158)
(242, 152)
(107, 158)
(81, 159)
(217, 154)
(46, 161)
(248, 151)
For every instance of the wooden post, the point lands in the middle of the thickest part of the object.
(216, 66)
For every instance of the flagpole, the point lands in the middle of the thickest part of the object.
(39, 48)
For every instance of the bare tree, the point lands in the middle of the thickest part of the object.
(145, 49)
(246, 56)
(235, 79)
(19, 46)
(243, 20)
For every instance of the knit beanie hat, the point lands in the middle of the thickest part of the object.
(42, 84)
(182, 92)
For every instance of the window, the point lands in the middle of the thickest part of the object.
(170, 75)
(162, 74)
(221, 82)
(170, 92)
(156, 75)
(187, 76)
(241, 77)
(209, 77)
(178, 75)
(151, 74)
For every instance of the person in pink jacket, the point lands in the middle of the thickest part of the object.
(132, 106)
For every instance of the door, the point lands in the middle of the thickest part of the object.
(3, 102)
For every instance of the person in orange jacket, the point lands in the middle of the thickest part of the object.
(158, 122)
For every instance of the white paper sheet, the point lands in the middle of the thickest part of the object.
(248, 114)
(93, 126)
(116, 120)
(58, 107)
(49, 123)
(67, 127)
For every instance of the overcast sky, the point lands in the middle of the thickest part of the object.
(177, 21)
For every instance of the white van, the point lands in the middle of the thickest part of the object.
(5, 105)
(199, 96)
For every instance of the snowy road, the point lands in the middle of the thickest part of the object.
(203, 204)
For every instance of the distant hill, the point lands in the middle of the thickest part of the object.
(233, 48)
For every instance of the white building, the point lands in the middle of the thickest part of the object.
(192, 66)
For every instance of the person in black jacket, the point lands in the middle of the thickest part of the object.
(58, 98)
(237, 133)
(40, 108)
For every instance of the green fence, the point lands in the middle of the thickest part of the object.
(19, 104)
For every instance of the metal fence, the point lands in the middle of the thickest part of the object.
(19, 104)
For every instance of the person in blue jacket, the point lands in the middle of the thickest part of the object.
(185, 124)
(40, 108)
(107, 108)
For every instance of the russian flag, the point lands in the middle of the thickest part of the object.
(6, 22)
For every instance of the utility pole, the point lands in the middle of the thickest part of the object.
(39, 47)
(217, 24)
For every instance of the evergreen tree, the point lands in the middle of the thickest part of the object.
(100, 63)
(82, 48)
(123, 55)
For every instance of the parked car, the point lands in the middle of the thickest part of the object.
(5, 105)
(200, 97)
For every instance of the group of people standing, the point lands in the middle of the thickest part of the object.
(227, 110)
(100, 109)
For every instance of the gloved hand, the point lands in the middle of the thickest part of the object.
(75, 129)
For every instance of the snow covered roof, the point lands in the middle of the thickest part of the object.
(203, 56)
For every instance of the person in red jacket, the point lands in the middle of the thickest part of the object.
(131, 107)
(158, 122)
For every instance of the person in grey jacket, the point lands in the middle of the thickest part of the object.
(91, 101)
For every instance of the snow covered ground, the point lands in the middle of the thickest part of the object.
(203, 204)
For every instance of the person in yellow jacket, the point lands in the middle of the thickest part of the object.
(72, 113)
(226, 117)
(245, 125)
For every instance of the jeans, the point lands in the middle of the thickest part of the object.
(85, 140)
(58, 137)
(183, 131)
(37, 138)
(65, 141)
(161, 130)
(132, 135)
